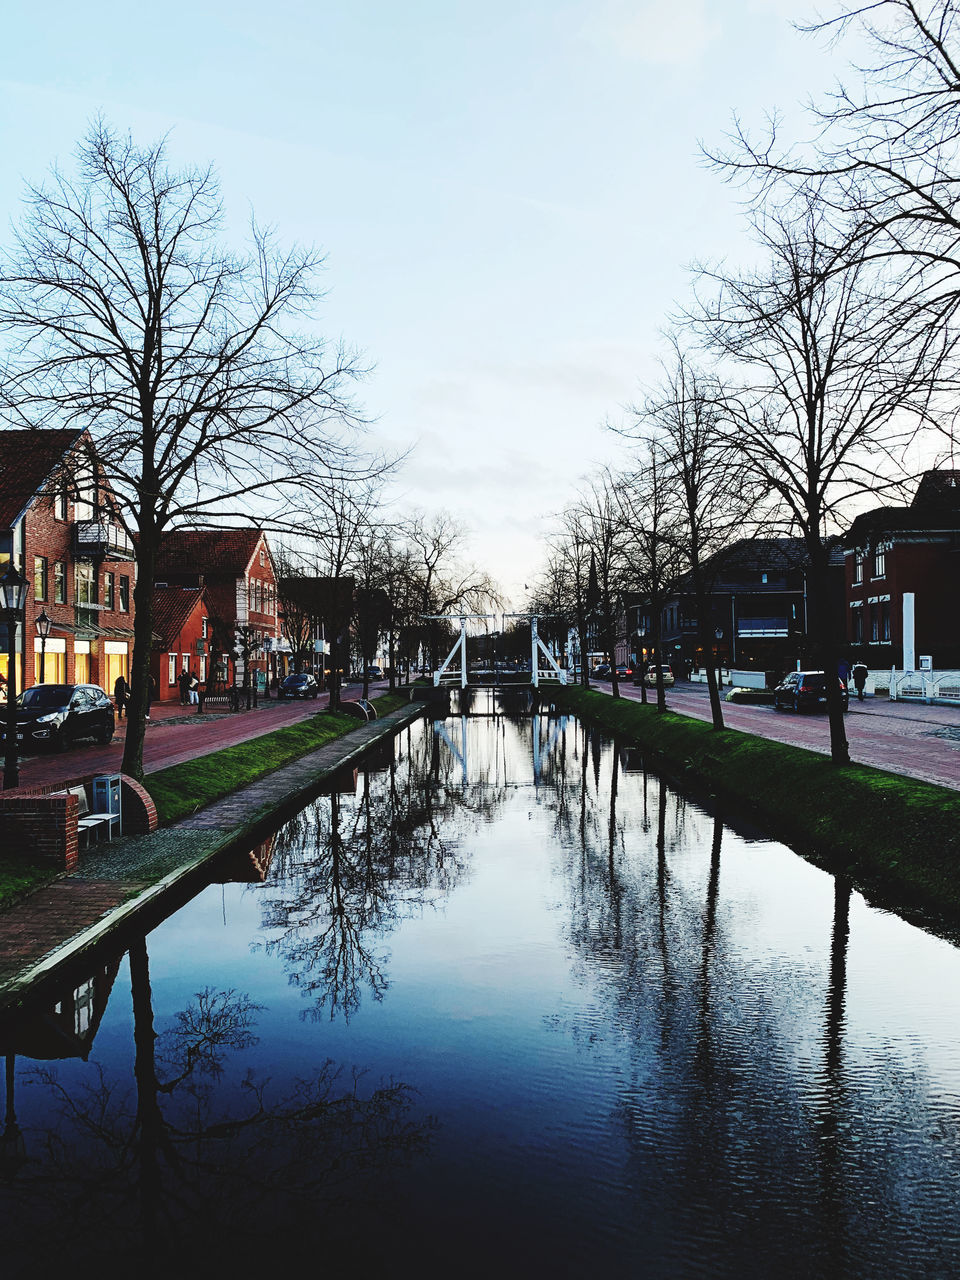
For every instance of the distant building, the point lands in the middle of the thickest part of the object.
(182, 638)
(235, 568)
(897, 551)
(758, 609)
(58, 520)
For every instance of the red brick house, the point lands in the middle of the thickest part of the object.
(235, 568)
(58, 521)
(892, 552)
(182, 635)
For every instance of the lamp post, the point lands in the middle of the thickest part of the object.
(268, 648)
(13, 598)
(43, 625)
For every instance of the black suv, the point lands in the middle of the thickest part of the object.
(299, 685)
(57, 715)
(801, 689)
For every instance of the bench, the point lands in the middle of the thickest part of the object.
(89, 823)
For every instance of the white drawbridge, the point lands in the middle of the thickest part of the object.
(538, 650)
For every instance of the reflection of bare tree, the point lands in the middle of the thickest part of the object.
(351, 867)
(183, 1173)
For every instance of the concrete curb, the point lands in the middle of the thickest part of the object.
(356, 744)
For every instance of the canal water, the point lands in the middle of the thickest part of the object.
(503, 1003)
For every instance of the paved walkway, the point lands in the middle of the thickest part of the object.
(57, 925)
(906, 738)
(174, 734)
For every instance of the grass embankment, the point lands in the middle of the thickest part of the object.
(184, 788)
(898, 838)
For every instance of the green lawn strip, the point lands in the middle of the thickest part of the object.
(895, 834)
(183, 788)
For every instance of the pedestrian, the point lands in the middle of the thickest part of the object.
(183, 680)
(860, 674)
(843, 671)
(193, 689)
(121, 693)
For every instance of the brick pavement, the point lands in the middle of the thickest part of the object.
(906, 738)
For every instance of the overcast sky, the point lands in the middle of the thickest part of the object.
(509, 194)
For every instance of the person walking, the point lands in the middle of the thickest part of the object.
(843, 671)
(193, 689)
(860, 674)
(183, 680)
(121, 692)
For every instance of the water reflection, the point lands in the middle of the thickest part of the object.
(651, 1045)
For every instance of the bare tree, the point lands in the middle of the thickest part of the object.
(446, 582)
(831, 389)
(648, 501)
(124, 314)
(713, 490)
(602, 526)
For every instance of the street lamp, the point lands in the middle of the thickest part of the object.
(13, 599)
(268, 647)
(43, 625)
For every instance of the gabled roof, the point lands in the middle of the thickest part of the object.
(28, 459)
(172, 607)
(935, 505)
(224, 552)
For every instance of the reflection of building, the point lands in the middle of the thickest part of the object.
(67, 1028)
(891, 552)
(251, 867)
(57, 516)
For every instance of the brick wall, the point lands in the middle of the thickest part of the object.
(40, 828)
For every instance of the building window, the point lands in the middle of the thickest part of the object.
(39, 577)
(60, 582)
(86, 586)
(124, 594)
(874, 624)
(858, 565)
(261, 557)
(203, 628)
(171, 668)
(857, 627)
(60, 508)
(880, 560)
(108, 581)
(885, 621)
(763, 578)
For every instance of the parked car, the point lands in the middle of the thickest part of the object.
(299, 685)
(650, 678)
(601, 671)
(801, 689)
(374, 673)
(58, 715)
(624, 671)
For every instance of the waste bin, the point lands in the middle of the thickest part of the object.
(106, 799)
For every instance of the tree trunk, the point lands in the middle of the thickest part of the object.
(705, 639)
(132, 763)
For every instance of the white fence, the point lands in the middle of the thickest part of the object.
(923, 686)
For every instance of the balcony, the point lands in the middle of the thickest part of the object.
(763, 628)
(100, 540)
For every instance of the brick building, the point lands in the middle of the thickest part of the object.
(182, 636)
(235, 568)
(892, 552)
(58, 521)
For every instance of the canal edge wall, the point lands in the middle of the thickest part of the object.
(897, 839)
(204, 838)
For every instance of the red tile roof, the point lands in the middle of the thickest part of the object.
(207, 551)
(28, 458)
(172, 607)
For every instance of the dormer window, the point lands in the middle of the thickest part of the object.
(858, 558)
